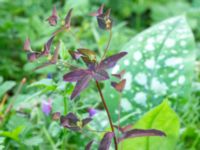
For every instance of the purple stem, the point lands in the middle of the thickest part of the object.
(108, 114)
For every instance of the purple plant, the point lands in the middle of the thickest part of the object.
(97, 70)
(92, 112)
(46, 107)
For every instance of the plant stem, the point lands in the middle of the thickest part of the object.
(108, 44)
(119, 111)
(65, 105)
(49, 138)
(23, 81)
(108, 114)
(65, 113)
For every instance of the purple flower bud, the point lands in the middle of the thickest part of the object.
(49, 76)
(53, 18)
(92, 112)
(46, 107)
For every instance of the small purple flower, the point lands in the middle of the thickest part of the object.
(49, 76)
(46, 107)
(92, 112)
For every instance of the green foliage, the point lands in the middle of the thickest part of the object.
(19, 19)
(5, 86)
(159, 64)
(163, 118)
(1, 143)
(14, 134)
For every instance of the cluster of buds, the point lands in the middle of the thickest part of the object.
(104, 20)
(34, 55)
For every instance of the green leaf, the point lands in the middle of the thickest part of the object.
(14, 134)
(6, 86)
(1, 79)
(33, 141)
(162, 118)
(159, 64)
(43, 83)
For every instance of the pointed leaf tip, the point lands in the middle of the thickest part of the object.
(68, 18)
(27, 45)
(47, 47)
(140, 133)
(120, 74)
(80, 86)
(56, 54)
(119, 86)
(86, 121)
(98, 12)
(53, 18)
(106, 141)
(89, 145)
(111, 61)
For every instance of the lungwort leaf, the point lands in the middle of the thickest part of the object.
(162, 118)
(159, 64)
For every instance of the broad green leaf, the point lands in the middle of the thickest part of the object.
(6, 86)
(162, 118)
(159, 64)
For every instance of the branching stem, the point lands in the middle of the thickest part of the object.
(108, 44)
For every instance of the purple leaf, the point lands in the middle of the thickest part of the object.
(111, 61)
(42, 66)
(98, 12)
(104, 20)
(140, 133)
(27, 45)
(119, 86)
(32, 56)
(86, 121)
(47, 46)
(75, 75)
(100, 75)
(80, 86)
(70, 121)
(88, 146)
(68, 19)
(106, 141)
(119, 75)
(53, 59)
(53, 18)
(56, 53)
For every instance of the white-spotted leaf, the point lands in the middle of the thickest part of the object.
(159, 64)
